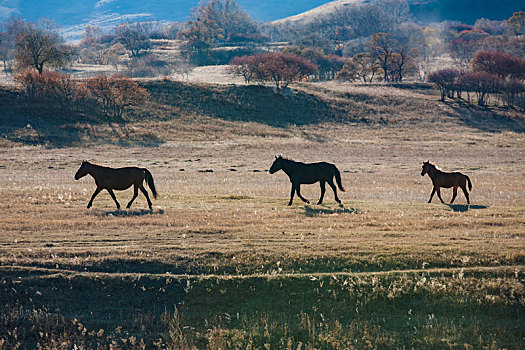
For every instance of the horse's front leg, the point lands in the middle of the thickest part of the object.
(432, 194)
(292, 194)
(299, 194)
(439, 195)
(114, 198)
(97, 191)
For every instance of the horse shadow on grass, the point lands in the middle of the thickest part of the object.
(316, 211)
(461, 208)
(134, 212)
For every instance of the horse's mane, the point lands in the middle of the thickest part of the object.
(96, 165)
(284, 158)
(433, 166)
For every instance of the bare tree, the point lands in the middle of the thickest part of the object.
(40, 45)
(382, 46)
(134, 38)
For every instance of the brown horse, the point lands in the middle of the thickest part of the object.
(308, 173)
(118, 179)
(446, 180)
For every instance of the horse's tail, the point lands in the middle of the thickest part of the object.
(469, 183)
(151, 184)
(337, 175)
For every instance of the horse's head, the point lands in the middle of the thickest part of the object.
(82, 171)
(276, 165)
(426, 168)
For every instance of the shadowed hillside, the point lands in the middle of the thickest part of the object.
(223, 111)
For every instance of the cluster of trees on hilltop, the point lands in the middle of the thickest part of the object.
(37, 49)
(489, 73)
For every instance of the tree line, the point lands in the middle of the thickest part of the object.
(489, 73)
(353, 45)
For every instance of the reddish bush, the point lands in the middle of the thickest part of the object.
(278, 68)
(282, 68)
(115, 93)
(243, 66)
(49, 84)
(500, 64)
(482, 84)
(30, 80)
(446, 80)
(473, 34)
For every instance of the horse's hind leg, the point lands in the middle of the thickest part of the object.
(143, 190)
(331, 183)
(114, 198)
(454, 194)
(299, 194)
(97, 191)
(464, 188)
(135, 194)
(323, 189)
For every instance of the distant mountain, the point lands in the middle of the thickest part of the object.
(73, 15)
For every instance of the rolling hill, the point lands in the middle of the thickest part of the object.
(424, 11)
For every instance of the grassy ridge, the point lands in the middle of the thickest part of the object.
(199, 112)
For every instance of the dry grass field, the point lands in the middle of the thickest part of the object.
(222, 262)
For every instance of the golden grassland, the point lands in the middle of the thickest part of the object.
(223, 262)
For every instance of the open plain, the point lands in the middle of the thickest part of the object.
(223, 262)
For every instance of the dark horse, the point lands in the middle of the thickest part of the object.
(446, 180)
(117, 179)
(308, 173)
